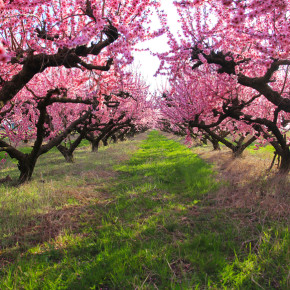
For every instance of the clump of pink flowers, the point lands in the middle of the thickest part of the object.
(3, 54)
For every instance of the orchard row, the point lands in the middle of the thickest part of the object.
(66, 74)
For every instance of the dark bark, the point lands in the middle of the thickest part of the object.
(67, 152)
(267, 128)
(240, 146)
(69, 58)
(215, 144)
(27, 162)
(259, 124)
(213, 141)
(96, 142)
(58, 139)
(106, 132)
(112, 133)
(105, 141)
(283, 154)
(284, 167)
(260, 84)
(114, 138)
(26, 167)
(95, 145)
(237, 147)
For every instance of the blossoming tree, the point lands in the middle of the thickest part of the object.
(40, 34)
(247, 44)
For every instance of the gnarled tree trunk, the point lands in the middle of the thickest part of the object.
(26, 167)
(66, 152)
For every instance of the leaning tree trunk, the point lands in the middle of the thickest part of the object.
(96, 142)
(215, 143)
(66, 153)
(240, 147)
(112, 134)
(95, 145)
(238, 151)
(213, 136)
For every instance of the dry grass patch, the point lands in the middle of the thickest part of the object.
(93, 176)
(250, 184)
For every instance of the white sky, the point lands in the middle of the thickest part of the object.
(147, 63)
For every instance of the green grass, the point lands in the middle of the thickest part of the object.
(264, 151)
(144, 223)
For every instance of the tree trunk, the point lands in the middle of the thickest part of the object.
(26, 168)
(96, 142)
(216, 145)
(284, 167)
(241, 146)
(114, 138)
(67, 154)
(214, 142)
(95, 145)
(238, 151)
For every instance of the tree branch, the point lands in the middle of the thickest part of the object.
(97, 67)
(260, 84)
(34, 64)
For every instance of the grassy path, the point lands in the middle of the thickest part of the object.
(148, 222)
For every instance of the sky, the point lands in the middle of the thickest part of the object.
(147, 63)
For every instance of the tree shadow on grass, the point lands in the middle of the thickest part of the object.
(155, 230)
